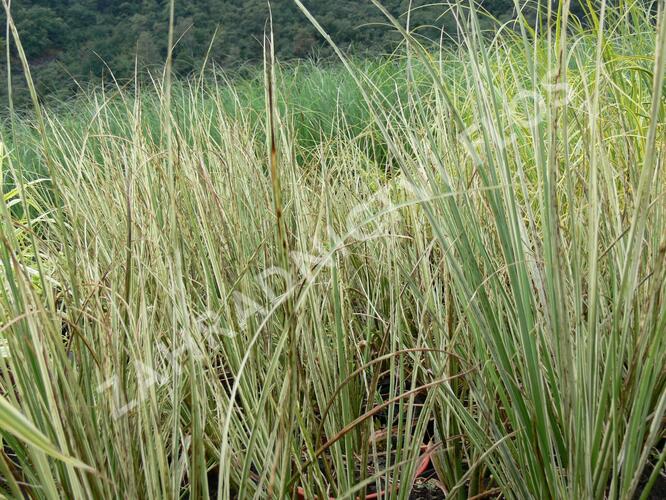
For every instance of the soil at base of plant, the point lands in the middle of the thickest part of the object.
(426, 489)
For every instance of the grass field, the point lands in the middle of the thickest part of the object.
(302, 284)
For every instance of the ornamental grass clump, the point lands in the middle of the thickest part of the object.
(202, 301)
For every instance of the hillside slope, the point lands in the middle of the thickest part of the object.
(71, 42)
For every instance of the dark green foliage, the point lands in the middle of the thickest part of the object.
(73, 42)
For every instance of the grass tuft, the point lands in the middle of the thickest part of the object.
(289, 286)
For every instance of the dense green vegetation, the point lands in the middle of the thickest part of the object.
(72, 42)
(303, 282)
